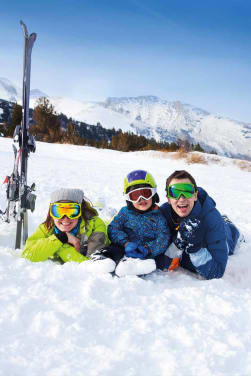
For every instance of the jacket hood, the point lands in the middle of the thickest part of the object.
(203, 205)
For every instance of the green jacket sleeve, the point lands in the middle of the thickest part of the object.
(96, 231)
(42, 245)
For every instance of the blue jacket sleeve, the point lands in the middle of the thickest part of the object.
(115, 229)
(211, 259)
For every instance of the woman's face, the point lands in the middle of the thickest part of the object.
(65, 224)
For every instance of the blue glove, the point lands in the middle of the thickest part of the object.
(130, 249)
(131, 246)
(134, 250)
(142, 251)
(189, 237)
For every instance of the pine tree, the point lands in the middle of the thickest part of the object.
(48, 126)
(197, 147)
(16, 117)
(6, 129)
(70, 134)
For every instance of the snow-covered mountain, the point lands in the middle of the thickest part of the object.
(13, 93)
(163, 120)
(9, 91)
(151, 116)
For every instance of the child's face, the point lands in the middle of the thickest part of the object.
(143, 204)
(65, 224)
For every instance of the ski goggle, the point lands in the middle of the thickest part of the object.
(137, 194)
(185, 189)
(72, 210)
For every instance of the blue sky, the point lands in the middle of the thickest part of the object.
(198, 52)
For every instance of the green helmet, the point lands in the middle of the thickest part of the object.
(138, 177)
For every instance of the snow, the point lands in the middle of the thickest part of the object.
(59, 320)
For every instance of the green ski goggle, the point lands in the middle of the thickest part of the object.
(185, 189)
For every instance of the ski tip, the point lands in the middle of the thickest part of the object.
(24, 28)
(23, 24)
(32, 36)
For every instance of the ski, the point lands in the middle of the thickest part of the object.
(20, 196)
(26, 144)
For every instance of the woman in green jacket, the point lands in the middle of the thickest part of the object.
(72, 230)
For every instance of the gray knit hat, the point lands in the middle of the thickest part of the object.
(67, 194)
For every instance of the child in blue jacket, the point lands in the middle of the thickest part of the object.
(201, 236)
(139, 233)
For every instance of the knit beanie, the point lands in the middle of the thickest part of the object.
(68, 194)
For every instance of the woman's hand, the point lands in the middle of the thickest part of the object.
(74, 241)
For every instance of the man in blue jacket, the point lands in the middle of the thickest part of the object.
(201, 237)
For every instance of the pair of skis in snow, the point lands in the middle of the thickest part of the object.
(20, 196)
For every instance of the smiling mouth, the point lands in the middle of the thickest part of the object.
(182, 206)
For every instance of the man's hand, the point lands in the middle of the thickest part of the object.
(188, 237)
(74, 241)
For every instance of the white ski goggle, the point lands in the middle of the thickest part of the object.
(137, 194)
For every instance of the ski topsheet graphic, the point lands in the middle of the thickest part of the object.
(19, 195)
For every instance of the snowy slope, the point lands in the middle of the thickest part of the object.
(61, 321)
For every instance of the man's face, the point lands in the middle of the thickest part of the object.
(183, 206)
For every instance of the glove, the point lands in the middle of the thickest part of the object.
(143, 251)
(131, 246)
(62, 236)
(189, 237)
(130, 249)
(138, 252)
(134, 250)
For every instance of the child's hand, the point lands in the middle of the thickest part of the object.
(131, 246)
(130, 249)
(136, 251)
(73, 240)
(142, 251)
